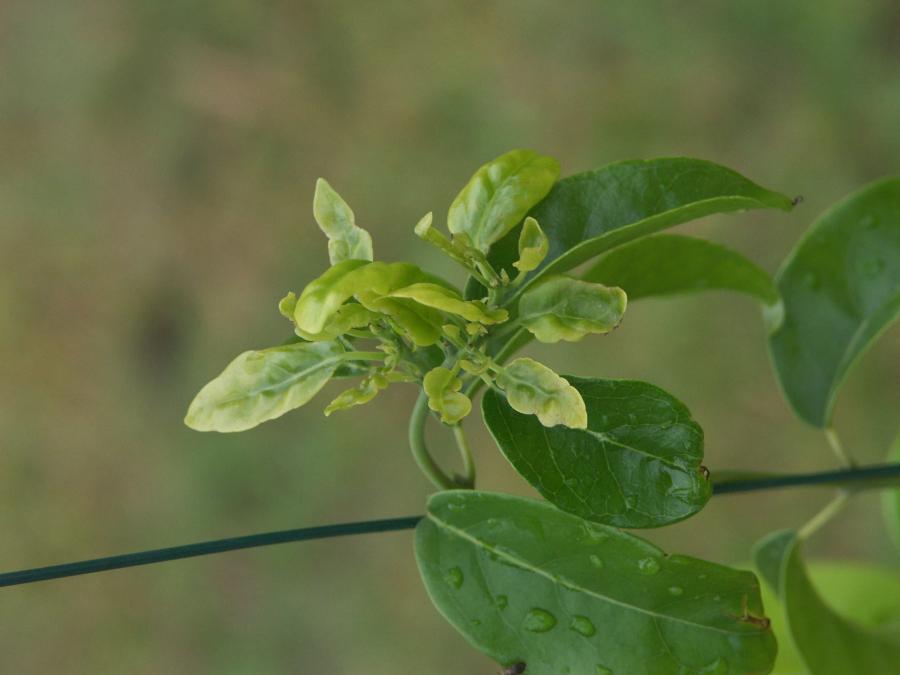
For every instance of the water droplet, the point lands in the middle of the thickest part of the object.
(596, 561)
(676, 590)
(648, 566)
(456, 506)
(603, 670)
(501, 601)
(583, 626)
(454, 577)
(873, 267)
(538, 620)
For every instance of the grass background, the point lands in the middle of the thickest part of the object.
(157, 163)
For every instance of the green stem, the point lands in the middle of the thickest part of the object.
(831, 509)
(466, 453)
(835, 442)
(420, 451)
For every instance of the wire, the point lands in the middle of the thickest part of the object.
(842, 477)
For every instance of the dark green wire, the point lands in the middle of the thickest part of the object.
(844, 477)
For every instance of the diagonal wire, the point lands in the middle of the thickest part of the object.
(843, 477)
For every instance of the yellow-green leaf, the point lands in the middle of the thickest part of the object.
(533, 246)
(451, 302)
(442, 388)
(562, 308)
(532, 388)
(346, 241)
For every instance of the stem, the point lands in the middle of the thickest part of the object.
(831, 509)
(835, 442)
(362, 356)
(420, 451)
(466, 453)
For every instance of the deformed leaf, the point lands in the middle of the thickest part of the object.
(533, 246)
(841, 290)
(563, 308)
(451, 302)
(442, 388)
(526, 583)
(346, 241)
(499, 195)
(636, 464)
(532, 388)
(364, 392)
(348, 316)
(262, 385)
(827, 643)
(670, 264)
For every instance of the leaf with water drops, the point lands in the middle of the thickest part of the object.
(563, 308)
(828, 643)
(262, 385)
(346, 241)
(499, 195)
(527, 583)
(636, 464)
(672, 264)
(532, 388)
(841, 290)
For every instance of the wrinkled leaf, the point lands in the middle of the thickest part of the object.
(533, 246)
(347, 317)
(637, 464)
(420, 324)
(828, 643)
(669, 264)
(451, 302)
(563, 308)
(841, 290)
(361, 394)
(590, 213)
(262, 385)
(499, 195)
(526, 583)
(532, 388)
(442, 388)
(346, 241)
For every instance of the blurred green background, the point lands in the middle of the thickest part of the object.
(157, 163)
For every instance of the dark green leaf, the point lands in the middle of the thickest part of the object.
(636, 465)
(669, 264)
(841, 290)
(828, 643)
(527, 583)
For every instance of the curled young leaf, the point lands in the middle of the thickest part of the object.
(262, 385)
(359, 395)
(532, 388)
(526, 583)
(499, 195)
(422, 325)
(533, 246)
(348, 316)
(346, 241)
(563, 308)
(442, 388)
(451, 302)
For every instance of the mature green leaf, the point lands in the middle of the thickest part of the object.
(442, 388)
(637, 464)
(841, 290)
(346, 241)
(669, 264)
(499, 195)
(828, 643)
(563, 308)
(532, 388)
(590, 213)
(262, 385)
(526, 583)
(891, 500)
(450, 302)
(533, 246)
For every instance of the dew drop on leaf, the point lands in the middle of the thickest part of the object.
(648, 566)
(583, 626)
(538, 620)
(454, 577)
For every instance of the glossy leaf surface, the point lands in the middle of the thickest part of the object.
(562, 308)
(346, 241)
(841, 289)
(527, 583)
(262, 385)
(534, 389)
(828, 643)
(590, 213)
(637, 464)
(670, 264)
(499, 195)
